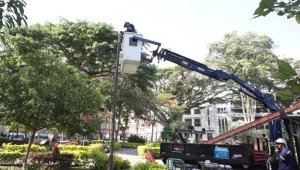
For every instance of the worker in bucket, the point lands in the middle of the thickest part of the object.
(129, 27)
(285, 156)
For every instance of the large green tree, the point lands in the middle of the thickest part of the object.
(90, 47)
(249, 57)
(188, 87)
(169, 132)
(290, 8)
(41, 91)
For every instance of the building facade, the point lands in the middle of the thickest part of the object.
(217, 119)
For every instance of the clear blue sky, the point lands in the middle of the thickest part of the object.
(184, 26)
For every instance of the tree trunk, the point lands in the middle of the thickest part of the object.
(152, 131)
(248, 109)
(243, 107)
(137, 122)
(28, 150)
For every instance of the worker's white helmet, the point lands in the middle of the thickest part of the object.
(282, 141)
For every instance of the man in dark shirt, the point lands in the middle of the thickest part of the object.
(129, 27)
(285, 156)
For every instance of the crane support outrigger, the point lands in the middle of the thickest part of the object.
(291, 124)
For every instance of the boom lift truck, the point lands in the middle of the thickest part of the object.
(194, 153)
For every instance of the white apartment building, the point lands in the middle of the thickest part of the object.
(217, 119)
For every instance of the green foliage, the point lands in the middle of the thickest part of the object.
(43, 92)
(120, 164)
(12, 13)
(90, 47)
(142, 151)
(77, 154)
(285, 71)
(73, 147)
(242, 136)
(155, 144)
(287, 75)
(117, 145)
(290, 8)
(136, 139)
(11, 155)
(96, 147)
(57, 160)
(22, 148)
(248, 57)
(169, 133)
(130, 145)
(190, 89)
(148, 166)
(101, 161)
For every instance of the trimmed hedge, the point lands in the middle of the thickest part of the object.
(136, 139)
(148, 166)
(22, 148)
(73, 147)
(77, 154)
(15, 142)
(11, 156)
(101, 161)
(57, 160)
(117, 145)
(154, 144)
(130, 145)
(154, 150)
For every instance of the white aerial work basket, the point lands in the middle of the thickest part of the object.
(130, 54)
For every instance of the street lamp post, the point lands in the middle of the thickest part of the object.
(131, 57)
(111, 154)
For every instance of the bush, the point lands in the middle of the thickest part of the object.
(73, 147)
(155, 151)
(77, 154)
(96, 147)
(148, 166)
(7, 157)
(60, 160)
(22, 148)
(154, 144)
(101, 161)
(136, 139)
(120, 164)
(97, 141)
(130, 145)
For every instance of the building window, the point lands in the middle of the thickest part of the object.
(220, 126)
(209, 136)
(222, 110)
(197, 111)
(198, 122)
(208, 119)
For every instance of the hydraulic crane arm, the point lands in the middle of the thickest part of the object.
(219, 75)
(216, 74)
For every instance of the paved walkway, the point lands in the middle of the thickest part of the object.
(132, 156)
